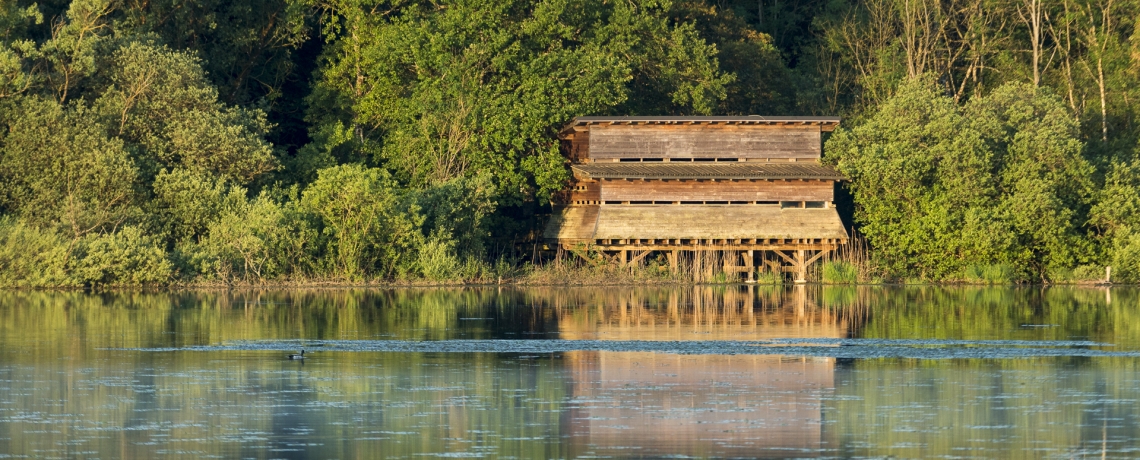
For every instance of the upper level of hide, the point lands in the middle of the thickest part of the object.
(744, 138)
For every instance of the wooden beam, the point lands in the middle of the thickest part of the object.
(639, 257)
(816, 257)
(785, 257)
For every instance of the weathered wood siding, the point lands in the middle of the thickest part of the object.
(588, 223)
(704, 221)
(572, 224)
(607, 142)
(691, 190)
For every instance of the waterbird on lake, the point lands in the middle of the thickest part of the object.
(300, 356)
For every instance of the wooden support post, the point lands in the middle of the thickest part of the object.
(801, 267)
(625, 257)
(750, 308)
(673, 261)
(750, 264)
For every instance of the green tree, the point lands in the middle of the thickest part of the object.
(440, 91)
(256, 240)
(1044, 182)
(247, 47)
(941, 188)
(160, 101)
(60, 170)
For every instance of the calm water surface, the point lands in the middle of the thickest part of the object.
(616, 372)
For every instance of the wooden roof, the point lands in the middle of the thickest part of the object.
(685, 170)
(825, 123)
(588, 223)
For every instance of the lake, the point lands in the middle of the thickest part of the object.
(706, 371)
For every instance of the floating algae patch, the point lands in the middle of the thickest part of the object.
(827, 348)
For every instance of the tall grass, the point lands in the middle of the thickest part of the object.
(769, 277)
(840, 272)
(851, 263)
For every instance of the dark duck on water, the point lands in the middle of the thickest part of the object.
(300, 356)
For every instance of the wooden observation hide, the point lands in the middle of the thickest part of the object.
(750, 190)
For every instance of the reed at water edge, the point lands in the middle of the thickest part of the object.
(851, 263)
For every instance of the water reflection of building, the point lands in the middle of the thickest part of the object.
(701, 313)
(650, 404)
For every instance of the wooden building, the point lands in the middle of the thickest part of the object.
(750, 189)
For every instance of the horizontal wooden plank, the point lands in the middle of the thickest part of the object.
(717, 191)
(827, 124)
(729, 170)
(703, 141)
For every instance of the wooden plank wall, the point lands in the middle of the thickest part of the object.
(607, 142)
(691, 190)
(572, 224)
(576, 147)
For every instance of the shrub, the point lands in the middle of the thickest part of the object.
(990, 274)
(30, 257)
(369, 228)
(940, 187)
(256, 240)
(437, 260)
(127, 257)
(1126, 257)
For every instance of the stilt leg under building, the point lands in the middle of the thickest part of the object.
(750, 264)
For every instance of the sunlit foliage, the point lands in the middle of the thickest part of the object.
(271, 141)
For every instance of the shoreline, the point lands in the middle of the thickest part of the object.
(517, 285)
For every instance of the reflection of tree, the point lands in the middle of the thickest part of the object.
(999, 313)
(978, 408)
(53, 349)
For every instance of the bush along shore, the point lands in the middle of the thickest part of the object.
(206, 143)
(130, 260)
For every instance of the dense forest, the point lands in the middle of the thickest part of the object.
(151, 142)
